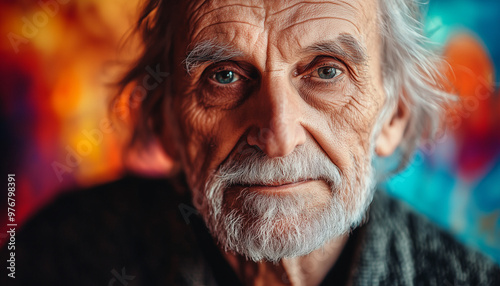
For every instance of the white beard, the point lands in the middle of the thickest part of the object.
(273, 227)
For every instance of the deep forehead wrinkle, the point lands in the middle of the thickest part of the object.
(323, 18)
(210, 14)
(222, 14)
(308, 11)
(219, 8)
(238, 26)
(337, 3)
(200, 32)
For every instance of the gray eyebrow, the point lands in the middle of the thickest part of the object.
(345, 46)
(208, 51)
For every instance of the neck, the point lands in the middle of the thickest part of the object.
(310, 269)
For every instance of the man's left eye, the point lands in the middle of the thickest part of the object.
(226, 77)
(327, 72)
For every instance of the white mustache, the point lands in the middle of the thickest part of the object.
(254, 228)
(253, 167)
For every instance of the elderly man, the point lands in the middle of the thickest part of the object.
(274, 112)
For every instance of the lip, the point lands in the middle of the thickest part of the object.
(277, 186)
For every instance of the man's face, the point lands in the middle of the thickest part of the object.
(274, 118)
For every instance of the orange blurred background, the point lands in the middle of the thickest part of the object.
(58, 67)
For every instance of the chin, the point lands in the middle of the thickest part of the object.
(273, 227)
(270, 209)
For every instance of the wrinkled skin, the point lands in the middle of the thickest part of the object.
(280, 100)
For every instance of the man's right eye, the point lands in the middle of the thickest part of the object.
(225, 77)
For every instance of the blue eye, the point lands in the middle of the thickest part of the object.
(328, 72)
(225, 77)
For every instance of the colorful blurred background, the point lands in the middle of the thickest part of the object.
(58, 60)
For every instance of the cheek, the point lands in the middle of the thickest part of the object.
(353, 116)
(197, 127)
(357, 119)
(343, 127)
(207, 134)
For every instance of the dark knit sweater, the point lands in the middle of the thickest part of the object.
(141, 232)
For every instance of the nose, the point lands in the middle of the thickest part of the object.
(278, 130)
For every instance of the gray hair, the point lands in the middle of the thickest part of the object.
(411, 72)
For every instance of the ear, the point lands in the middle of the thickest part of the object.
(392, 131)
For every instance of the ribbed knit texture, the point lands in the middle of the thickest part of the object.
(402, 248)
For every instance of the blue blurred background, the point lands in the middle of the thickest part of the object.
(455, 179)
